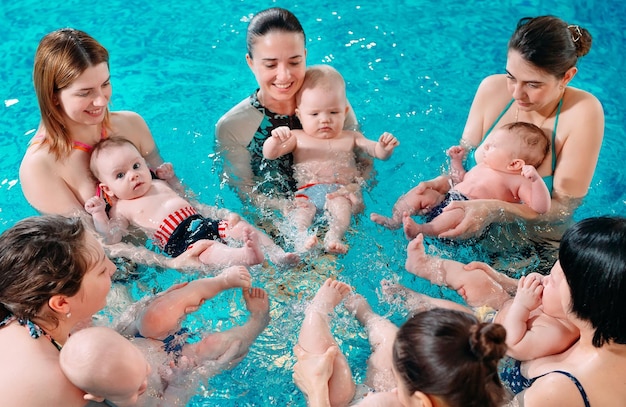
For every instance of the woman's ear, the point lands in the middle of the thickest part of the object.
(422, 400)
(249, 60)
(58, 303)
(516, 165)
(569, 75)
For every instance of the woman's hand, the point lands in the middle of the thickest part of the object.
(478, 214)
(440, 184)
(312, 372)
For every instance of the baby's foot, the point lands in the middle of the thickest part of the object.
(329, 296)
(283, 258)
(306, 242)
(236, 276)
(411, 228)
(416, 257)
(334, 246)
(385, 221)
(252, 248)
(257, 302)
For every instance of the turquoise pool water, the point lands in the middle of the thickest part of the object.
(412, 68)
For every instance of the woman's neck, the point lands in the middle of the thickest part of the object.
(286, 107)
(88, 134)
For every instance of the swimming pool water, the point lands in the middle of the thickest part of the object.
(411, 69)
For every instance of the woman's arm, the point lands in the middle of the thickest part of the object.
(43, 187)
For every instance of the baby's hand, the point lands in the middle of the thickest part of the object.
(282, 133)
(94, 205)
(388, 141)
(530, 172)
(165, 171)
(529, 291)
(456, 152)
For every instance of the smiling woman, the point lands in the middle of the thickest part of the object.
(277, 57)
(71, 78)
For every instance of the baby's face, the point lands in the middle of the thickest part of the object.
(124, 172)
(499, 150)
(322, 112)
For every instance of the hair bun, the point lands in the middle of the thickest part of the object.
(487, 341)
(581, 38)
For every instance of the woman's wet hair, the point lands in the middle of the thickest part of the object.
(270, 20)
(61, 57)
(592, 255)
(40, 257)
(550, 44)
(449, 354)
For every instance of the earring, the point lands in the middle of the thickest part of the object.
(68, 315)
(560, 87)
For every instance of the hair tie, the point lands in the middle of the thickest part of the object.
(577, 32)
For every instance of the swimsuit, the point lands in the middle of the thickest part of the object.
(243, 130)
(316, 193)
(184, 227)
(470, 160)
(34, 330)
(174, 343)
(485, 314)
(76, 145)
(451, 195)
(511, 376)
(276, 175)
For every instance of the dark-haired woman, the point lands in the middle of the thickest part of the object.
(276, 55)
(541, 62)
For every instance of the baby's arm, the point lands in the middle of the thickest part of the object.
(165, 171)
(281, 142)
(381, 149)
(536, 195)
(527, 299)
(457, 171)
(109, 229)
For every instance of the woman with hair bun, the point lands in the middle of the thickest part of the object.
(541, 62)
(438, 358)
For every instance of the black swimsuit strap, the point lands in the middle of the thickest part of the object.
(581, 390)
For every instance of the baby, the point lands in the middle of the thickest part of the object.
(324, 157)
(151, 372)
(508, 172)
(534, 318)
(161, 213)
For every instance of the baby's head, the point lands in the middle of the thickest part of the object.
(120, 168)
(527, 141)
(321, 101)
(105, 365)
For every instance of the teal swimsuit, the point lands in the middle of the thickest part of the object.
(470, 161)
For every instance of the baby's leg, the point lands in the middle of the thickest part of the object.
(163, 316)
(339, 216)
(441, 223)
(235, 228)
(302, 216)
(476, 286)
(381, 333)
(315, 337)
(411, 203)
(221, 255)
(417, 302)
(234, 342)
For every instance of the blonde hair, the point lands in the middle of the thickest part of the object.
(322, 76)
